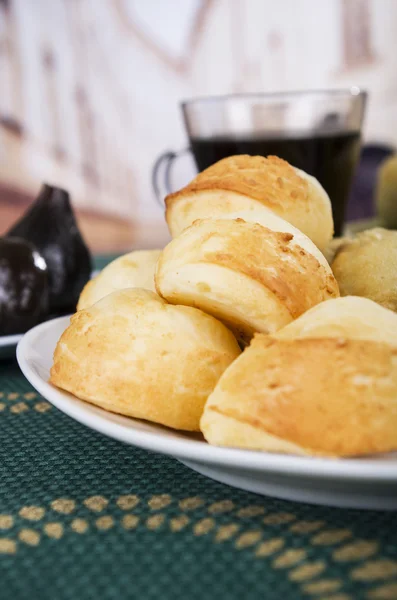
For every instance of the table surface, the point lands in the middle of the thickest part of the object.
(83, 516)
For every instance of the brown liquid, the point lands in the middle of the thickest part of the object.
(331, 157)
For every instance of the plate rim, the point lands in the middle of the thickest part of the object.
(360, 469)
(10, 340)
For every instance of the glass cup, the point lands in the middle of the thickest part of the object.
(316, 131)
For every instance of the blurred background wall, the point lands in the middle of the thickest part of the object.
(89, 89)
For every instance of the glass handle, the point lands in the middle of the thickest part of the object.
(162, 170)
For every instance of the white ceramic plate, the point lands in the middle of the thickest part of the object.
(359, 483)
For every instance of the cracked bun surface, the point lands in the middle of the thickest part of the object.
(246, 182)
(252, 276)
(325, 385)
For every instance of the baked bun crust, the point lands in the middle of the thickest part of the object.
(251, 277)
(367, 266)
(134, 354)
(135, 269)
(314, 396)
(246, 182)
(350, 317)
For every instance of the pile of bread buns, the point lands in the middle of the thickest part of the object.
(237, 327)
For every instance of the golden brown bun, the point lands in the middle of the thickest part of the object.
(321, 396)
(249, 276)
(134, 354)
(350, 317)
(270, 220)
(367, 266)
(135, 269)
(246, 182)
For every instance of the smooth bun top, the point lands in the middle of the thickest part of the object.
(135, 269)
(134, 354)
(350, 317)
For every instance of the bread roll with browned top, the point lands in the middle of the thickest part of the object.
(350, 317)
(135, 269)
(246, 182)
(134, 354)
(253, 276)
(366, 265)
(322, 386)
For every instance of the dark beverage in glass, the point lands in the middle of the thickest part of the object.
(316, 131)
(330, 157)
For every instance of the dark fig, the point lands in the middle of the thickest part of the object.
(51, 226)
(23, 286)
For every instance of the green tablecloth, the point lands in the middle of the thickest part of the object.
(82, 516)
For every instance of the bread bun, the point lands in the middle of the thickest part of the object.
(134, 354)
(135, 269)
(334, 246)
(251, 277)
(246, 182)
(350, 317)
(367, 266)
(314, 396)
